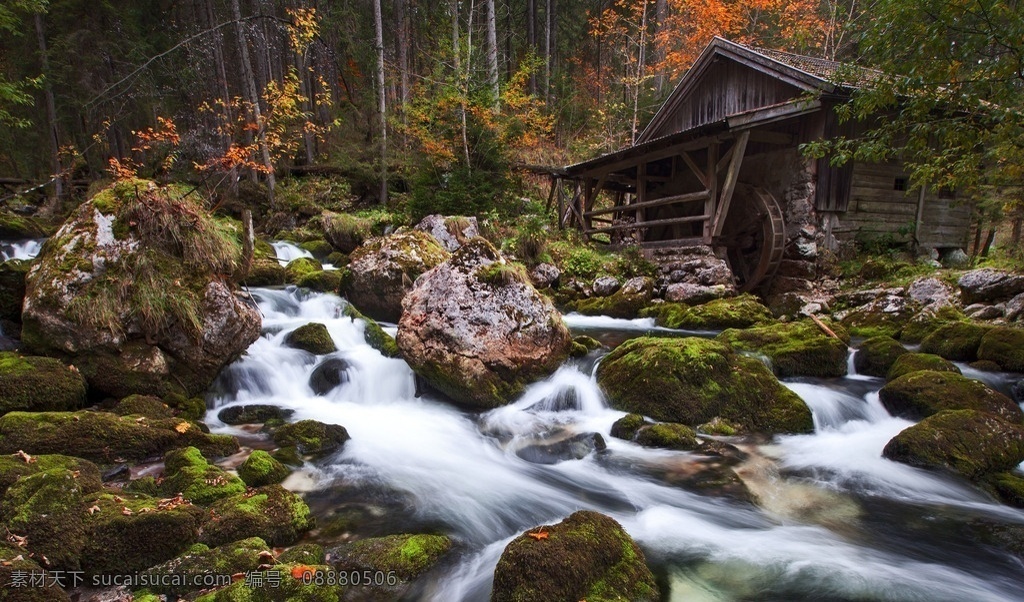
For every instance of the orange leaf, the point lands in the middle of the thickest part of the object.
(539, 535)
(303, 571)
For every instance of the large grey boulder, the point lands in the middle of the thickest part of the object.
(451, 231)
(986, 285)
(476, 329)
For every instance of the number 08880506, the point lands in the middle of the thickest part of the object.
(364, 578)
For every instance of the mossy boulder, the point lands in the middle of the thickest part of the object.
(324, 281)
(104, 437)
(743, 311)
(373, 333)
(876, 355)
(272, 513)
(18, 226)
(884, 316)
(266, 272)
(143, 405)
(12, 288)
(404, 556)
(795, 348)
(927, 321)
(956, 341)
(923, 393)
(131, 532)
(15, 466)
(301, 267)
(136, 296)
(229, 559)
(620, 304)
(587, 556)
(311, 437)
(260, 468)
(343, 231)
(693, 380)
(967, 442)
(627, 426)
(1005, 347)
(253, 414)
(1008, 487)
(187, 472)
(31, 383)
(312, 337)
(281, 583)
(382, 271)
(319, 247)
(667, 435)
(480, 340)
(15, 560)
(914, 362)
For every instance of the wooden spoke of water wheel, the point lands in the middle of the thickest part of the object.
(753, 237)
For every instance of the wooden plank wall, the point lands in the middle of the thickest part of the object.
(876, 208)
(725, 89)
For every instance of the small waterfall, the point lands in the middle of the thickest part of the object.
(23, 249)
(287, 252)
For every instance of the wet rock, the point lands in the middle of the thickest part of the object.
(989, 285)
(476, 329)
(312, 337)
(884, 316)
(667, 435)
(914, 362)
(627, 426)
(29, 383)
(271, 513)
(956, 341)
(927, 321)
(955, 258)
(980, 311)
(260, 468)
(405, 557)
(266, 272)
(576, 447)
(181, 576)
(586, 556)
(1017, 390)
(1005, 347)
(15, 466)
(1015, 308)
(929, 291)
(790, 268)
(803, 249)
(104, 437)
(15, 560)
(545, 275)
(324, 281)
(299, 268)
(253, 414)
(638, 285)
(606, 285)
(331, 373)
(798, 348)
(966, 442)
(119, 473)
(876, 356)
(743, 311)
(373, 334)
(311, 437)
(143, 405)
(382, 271)
(694, 294)
(621, 304)
(175, 323)
(923, 393)
(451, 232)
(692, 380)
(187, 472)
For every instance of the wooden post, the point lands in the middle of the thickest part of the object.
(712, 184)
(641, 196)
(729, 186)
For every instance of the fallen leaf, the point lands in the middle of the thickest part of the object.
(76, 473)
(27, 459)
(126, 511)
(94, 509)
(183, 427)
(118, 499)
(302, 571)
(237, 577)
(539, 535)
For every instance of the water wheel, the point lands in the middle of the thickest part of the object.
(754, 236)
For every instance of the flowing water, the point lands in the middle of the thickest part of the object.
(20, 249)
(834, 521)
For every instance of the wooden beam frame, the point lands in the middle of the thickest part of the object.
(729, 186)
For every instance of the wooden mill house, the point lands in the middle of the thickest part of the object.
(720, 165)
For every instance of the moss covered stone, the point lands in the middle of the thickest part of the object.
(260, 468)
(876, 355)
(967, 442)
(920, 394)
(130, 532)
(927, 321)
(345, 232)
(373, 333)
(312, 337)
(913, 362)
(693, 380)
(15, 466)
(957, 341)
(301, 267)
(229, 559)
(272, 513)
(12, 288)
(795, 348)
(15, 560)
(743, 311)
(627, 426)
(324, 281)
(277, 584)
(48, 508)
(620, 304)
(871, 321)
(587, 556)
(407, 555)
(266, 272)
(143, 405)
(1005, 347)
(38, 384)
(319, 247)
(18, 226)
(306, 553)
(253, 414)
(103, 437)
(311, 437)
(187, 472)
(667, 435)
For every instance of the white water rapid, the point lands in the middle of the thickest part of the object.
(834, 521)
(20, 249)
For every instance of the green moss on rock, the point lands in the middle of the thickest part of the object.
(956, 341)
(913, 362)
(19, 226)
(795, 348)
(276, 584)
(15, 560)
(627, 426)
(324, 281)
(311, 437)
(692, 380)
(345, 232)
(307, 553)
(872, 322)
(187, 472)
(272, 513)
(38, 384)
(743, 311)
(266, 272)
(15, 466)
(920, 394)
(1004, 346)
(301, 267)
(876, 355)
(407, 555)
(312, 337)
(667, 435)
(967, 442)
(619, 304)
(260, 468)
(229, 559)
(12, 288)
(319, 247)
(587, 556)
(374, 334)
(143, 405)
(103, 437)
(926, 322)
(47, 508)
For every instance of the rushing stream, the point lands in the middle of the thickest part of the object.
(834, 520)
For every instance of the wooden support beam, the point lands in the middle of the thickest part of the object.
(689, 219)
(668, 200)
(561, 203)
(767, 137)
(712, 201)
(693, 167)
(653, 155)
(729, 186)
(641, 193)
(551, 194)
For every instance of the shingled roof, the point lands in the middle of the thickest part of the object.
(842, 74)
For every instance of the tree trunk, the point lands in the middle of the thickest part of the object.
(660, 15)
(531, 39)
(638, 82)
(549, 40)
(402, 48)
(378, 26)
(51, 118)
(254, 98)
(456, 51)
(492, 53)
